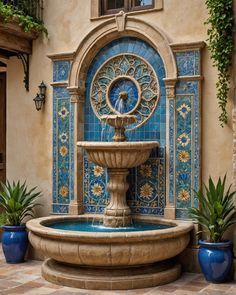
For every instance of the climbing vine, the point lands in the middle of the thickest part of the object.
(28, 23)
(221, 45)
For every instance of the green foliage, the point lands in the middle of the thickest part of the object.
(28, 23)
(18, 202)
(216, 211)
(221, 45)
(3, 219)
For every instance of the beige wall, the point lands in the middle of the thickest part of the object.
(29, 133)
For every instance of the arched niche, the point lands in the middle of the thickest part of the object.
(112, 29)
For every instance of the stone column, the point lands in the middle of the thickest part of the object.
(77, 98)
(117, 213)
(169, 212)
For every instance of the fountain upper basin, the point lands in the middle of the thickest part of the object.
(118, 154)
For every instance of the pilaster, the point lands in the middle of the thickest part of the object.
(76, 98)
(169, 211)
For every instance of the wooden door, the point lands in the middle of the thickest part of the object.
(2, 126)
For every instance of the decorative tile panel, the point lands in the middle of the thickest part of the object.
(61, 70)
(187, 158)
(125, 84)
(171, 151)
(95, 180)
(188, 63)
(146, 194)
(63, 150)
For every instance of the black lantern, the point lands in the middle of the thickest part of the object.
(39, 100)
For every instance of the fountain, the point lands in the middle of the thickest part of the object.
(122, 253)
(118, 157)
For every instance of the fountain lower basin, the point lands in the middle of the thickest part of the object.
(109, 260)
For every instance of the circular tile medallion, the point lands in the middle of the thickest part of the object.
(125, 84)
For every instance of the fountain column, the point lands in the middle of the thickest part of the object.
(117, 213)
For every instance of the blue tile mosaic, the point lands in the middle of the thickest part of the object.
(187, 153)
(171, 150)
(153, 129)
(183, 150)
(96, 196)
(146, 194)
(182, 214)
(61, 70)
(63, 150)
(60, 209)
(188, 63)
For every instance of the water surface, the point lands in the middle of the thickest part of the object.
(89, 226)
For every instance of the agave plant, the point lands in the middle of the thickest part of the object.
(18, 202)
(216, 213)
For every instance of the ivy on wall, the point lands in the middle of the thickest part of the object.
(221, 45)
(28, 23)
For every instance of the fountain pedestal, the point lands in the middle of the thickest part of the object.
(117, 213)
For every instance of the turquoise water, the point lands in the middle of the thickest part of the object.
(89, 226)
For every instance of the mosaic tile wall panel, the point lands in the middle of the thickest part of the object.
(188, 63)
(147, 190)
(184, 152)
(63, 143)
(61, 71)
(148, 193)
(95, 180)
(186, 146)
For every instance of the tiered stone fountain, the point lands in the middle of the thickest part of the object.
(124, 257)
(118, 157)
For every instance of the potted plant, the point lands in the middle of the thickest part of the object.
(18, 203)
(215, 215)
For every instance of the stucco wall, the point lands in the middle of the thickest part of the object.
(29, 133)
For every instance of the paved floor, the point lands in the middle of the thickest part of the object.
(25, 278)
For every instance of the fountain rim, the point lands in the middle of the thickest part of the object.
(38, 226)
(117, 115)
(125, 145)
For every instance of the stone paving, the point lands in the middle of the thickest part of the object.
(25, 278)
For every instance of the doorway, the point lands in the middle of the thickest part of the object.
(3, 127)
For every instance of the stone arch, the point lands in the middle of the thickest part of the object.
(108, 31)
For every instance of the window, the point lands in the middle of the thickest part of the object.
(114, 6)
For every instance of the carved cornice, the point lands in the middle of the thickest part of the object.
(59, 84)
(191, 78)
(62, 56)
(187, 46)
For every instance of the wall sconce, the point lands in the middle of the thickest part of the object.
(39, 100)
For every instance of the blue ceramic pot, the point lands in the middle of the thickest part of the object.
(215, 260)
(14, 243)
